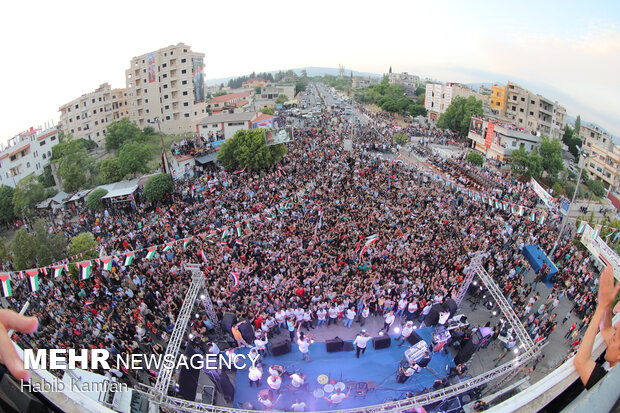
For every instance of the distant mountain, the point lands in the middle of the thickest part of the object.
(476, 86)
(311, 71)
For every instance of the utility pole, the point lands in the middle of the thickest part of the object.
(164, 155)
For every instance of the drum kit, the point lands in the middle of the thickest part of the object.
(326, 387)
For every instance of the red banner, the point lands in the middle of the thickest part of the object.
(489, 137)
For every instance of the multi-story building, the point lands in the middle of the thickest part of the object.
(498, 99)
(439, 97)
(167, 84)
(504, 138)
(534, 113)
(27, 153)
(89, 115)
(254, 82)
(274, 91)
(602, 157)
(364, 81)
(229, 102)
(226, 124)
(404, 79)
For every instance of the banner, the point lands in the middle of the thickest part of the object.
(542, 194)
(599, 250)
(489, 138)
(198, 79)
(271, 123)
(564, 205)
(276, 136)
(476, 126)
(151, 66)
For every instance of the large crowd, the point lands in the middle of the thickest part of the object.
(297, 257)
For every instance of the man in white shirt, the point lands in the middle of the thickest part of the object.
(304, 345)
(365, 314)
(360, 343)
(389, 320)
(350, 317)
(402, 305)
(407, 330)
(298, 381)
(337, 397)
(254, 374)
(320, 315)
(333, 315)
(299, 406)
(275, 382)
(281, 319)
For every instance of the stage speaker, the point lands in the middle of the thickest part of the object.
(188, 377)
(280, 348)
(229, 320)
(247, 331)
(334, 345)
(348, 346)
(414, 338)
(381, 342)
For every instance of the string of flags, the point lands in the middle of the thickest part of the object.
(597, 230)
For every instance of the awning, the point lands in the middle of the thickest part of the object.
(122, 188)
(44, 204)
(211, 157)
(79, 195)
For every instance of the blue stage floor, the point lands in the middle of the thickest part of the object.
(378, 366)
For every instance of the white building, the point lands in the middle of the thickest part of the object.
(439, 97)
(228, 123)
(504, 138)
(27, 153)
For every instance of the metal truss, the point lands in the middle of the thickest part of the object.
(470, 272)
(165, 372)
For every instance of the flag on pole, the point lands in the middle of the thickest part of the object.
(202, 255)
(369, 241)
(521, 210)
(33, 276)
(225, 233)
(186, 242)
(238, 226)
(597, 231)
(6, 284)
(85, 268)
(129, 258)
(247, 222)
(168, 246)
(151, 252)
(57, 270)
(238, 242)
(235, 278)
(533, 216)
(239, 171)
(582, 227)
(211, 234)
(542, 218)
(398, 160)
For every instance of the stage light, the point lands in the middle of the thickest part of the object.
(516, 351)
(475, 282)
(397, 330)
(191, 336)
(311, 341)
(494, 313)
(197, 315)
(381, 333)
(202, 296)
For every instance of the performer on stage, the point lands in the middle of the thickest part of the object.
(406, 371)
(360, 343)
(407, 330)
(337, 397)
(424, 362)
(304, 344)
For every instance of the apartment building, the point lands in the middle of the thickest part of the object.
(603, 156)
(498, 99)
(404, 79)
(167, 84)
(27, 153)
(230, 101)
(439, 97)
(89, 115)
(364, 81)
(502, 140)
(533, 112)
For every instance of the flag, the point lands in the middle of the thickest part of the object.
(398, 160)
(33, 276)
(369, 241)
(225, 233)
(533, 216)
(151, 252)
(235, 278)
(582, 227)
(281, 170)
(129, 258)
(542, 218)
(44, 270)
(168, 246)
(512, 208)
(202, 254)
(238, 242)
(6, 284)
(57, 270)
(238, 226)
(247, 222)
(239, 171)
(521, 210)
(186, 242)
(85, 267)
(107, 263)
(616, 237)
(211, 234)
(597, 231)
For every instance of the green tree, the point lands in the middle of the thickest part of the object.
(550, 151)
(120, 132)
(157, 187)
(5, 250)
(597, 187)
(24, 250)
(300, 86)
(401, 139)
(525, 165)
(248, 149)
(47, 178)
(148, 130)
(93, 201)
(49, 247)
(571, 139)
(72, 174)
(220, 93)
(133, 158)
(86, 244)
(281, 99)
(109, 171)
(475, 158)
(258, 90)
(28, 192)
(458, 115)
(578, 125)
(268, 110)
(7, 211)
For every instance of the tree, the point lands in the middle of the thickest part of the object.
(401, 139)
(281, 99)
(247, 149)
(258, 90)
(157, 187)
(390, 72)
(72, 173)
(93, 201)
(74, 164)
(220, 93)
(28, 192)
(550, 151)
(109, 171)
(148, 130)
(24, 250)
(120, 132)
(458, 115)
(597, 187)
(49, 247)
(86, 244)
(133, 158)
(525, 165)
(578, 125)
(47, 178)
(5, 250)
(7, 211)
(475, 158)
(300, 86)
(268, 110)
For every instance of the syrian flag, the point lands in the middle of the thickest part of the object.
(186, 242)
(235, 278)
(239, 171)
(85, 268)
(398, 160)
(33, 276)
(129, 258)
(151, 252)
(202, 255)
(238, 242)
(281, 170)
(7, 291)
(58, 270)
(582, 227)
(359, 244)
(533, 216)
(107, 263)
(369, 241)
(168, 246)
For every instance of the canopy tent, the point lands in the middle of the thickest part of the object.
(122, 188)
(211, 157)
(536, 257)
(55, 202)
(79, 195)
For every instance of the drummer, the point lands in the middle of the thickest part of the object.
(274, 381)
(338, 396)
(298, 406)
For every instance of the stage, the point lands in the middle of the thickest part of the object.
(378, 367)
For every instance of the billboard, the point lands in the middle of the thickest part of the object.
(489, 138)
(151, 66)
(542, 194)
(198, 79)
(476, 126)
(272, 123)
(276, 136)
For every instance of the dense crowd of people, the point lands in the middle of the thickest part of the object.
(296, 254)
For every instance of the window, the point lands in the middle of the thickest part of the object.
(167, 117)
(43, 156)
(41, 143)
(53, 138)
(93, 100)
(146, 101)
(184, 50)
(531, 113)
(167, 107)
(165, 96)
(163, 65)
(183, 71)
(165, 75)
(27, 164)
(185, 93)
(185, 104)
(165, 86)
(235, 123)
(521, 110)
(187, 115)
(145, 91)
(514, 107)
(522, 99)
(184, 82)
(533, 102)
(183, 60)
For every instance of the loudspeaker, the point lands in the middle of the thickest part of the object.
(334, 345)
(188, 377)
(229, 320)
(381, 342)
(247, 332)
(414, 338)
(348, 346)
(280, 348)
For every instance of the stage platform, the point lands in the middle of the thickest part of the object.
(377, 367)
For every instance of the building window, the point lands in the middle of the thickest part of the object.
(183, 71)
(163, 65)
(165, 75)
(187, 115)
(184, 82)
(167, 107)
(185, 93)
(145, 91)
(43, 156)
(53, 138)
(165, 86)
(167, 117)
(185, 104)
(41, 143)
(522, 99)
(165, 96)
(27, 164)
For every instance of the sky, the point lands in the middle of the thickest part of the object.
(567, 51)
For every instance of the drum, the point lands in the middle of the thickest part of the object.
(340, 386)
(328, 388)
(322, 379)
(318, 393)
